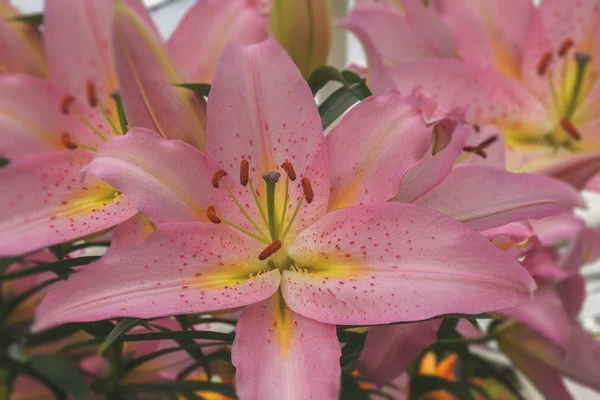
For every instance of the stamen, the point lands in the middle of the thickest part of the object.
(479, 149)
(271, 178)
(257, 201)
(307, 188)
(544, 63)
(565, 47)
(65, 104)
(65, 138)
(289, 170)
(582, 60)
(239, 206)
(270, 250)
(244, 171)
(217, 176)
(570, 129)
(211, 214)
(289, 225)
(90, 90)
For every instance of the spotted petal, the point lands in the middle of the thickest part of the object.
(182, 268)
(398, 262)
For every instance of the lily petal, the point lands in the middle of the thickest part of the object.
(46, 203)
(262, 110)
(379, 132)
(76, 38)
(21, 49)
(299, 356)
(485, 197)
(167, 180)
(416, 265)
(131, 232)
(434, 167)
(147, 77)
(216, 22)
(573, 294)
(389, 349)
(182, 268)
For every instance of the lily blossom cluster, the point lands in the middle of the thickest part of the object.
(250, 249)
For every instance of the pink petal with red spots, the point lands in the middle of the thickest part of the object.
(485, 197)
(299, 357)
(182, 268)
(372, 148)
(131, 232)
(45, 202)
(216, 22)
(78, 48)
(398, 262)
(167, 180)
(147, 76)
(389, 349)
(262, 110)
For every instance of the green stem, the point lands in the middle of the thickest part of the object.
(271, 209)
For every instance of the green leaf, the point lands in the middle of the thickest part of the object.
(176, 335)
(52, 334)
(123, 326)
(35, 19)
(200, 88)
(14, 302)
(4, 162)
(116, 96)
(335, 105)
(62, 374)
(422, 384)
(59, 267)
(325, 74)
(350, 389)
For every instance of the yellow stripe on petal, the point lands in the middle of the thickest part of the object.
(88, 199)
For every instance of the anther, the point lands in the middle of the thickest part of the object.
(565, 47)
(90, 90)
(289, 170)
(211, 214)
(271, 177)
(65, 104)
(65, 138)
(217, 176)
(544, 63)
(307, 188)
(270, 250)
(479, 149)
(570, 129)
(244, 170)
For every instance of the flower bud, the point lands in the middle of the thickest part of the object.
(303, 27)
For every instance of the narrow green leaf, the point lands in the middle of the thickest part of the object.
(175, 335)
(422, 384)
(61, 373)
(335, 105)
(14, 302)
(123, 326)
(200, 88)
(319, 77)
(58, 267)
(35, 19)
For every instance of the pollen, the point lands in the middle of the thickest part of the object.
(544, 63)
(244, 170)
(90, 90)
(217, 176)
(308, 191)
(65, 104)
(289, 170)
(270, 250)
(570, 129)
(65, 138)
(565, 47)
(211, 214)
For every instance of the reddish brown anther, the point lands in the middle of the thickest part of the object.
(244, 171)
(289, 170)
(269, 250)
(90, 90)
(308, 192)
(570, 129)
(65, 138)
(65, 104)
(477, 128)
(217, 176)
(565, 47)
(481, 146)
(544, 63)
(211, 214)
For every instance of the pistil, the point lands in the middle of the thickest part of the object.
(582, 60)
(271, 179)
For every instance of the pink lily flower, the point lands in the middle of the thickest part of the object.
(256, 222)
(530, 71)
(21, 49)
